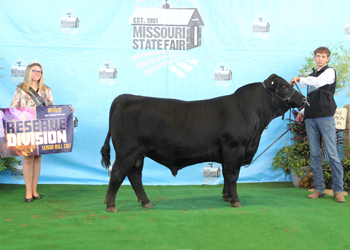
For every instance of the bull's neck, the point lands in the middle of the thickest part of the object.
(273, 107)
(267, 106)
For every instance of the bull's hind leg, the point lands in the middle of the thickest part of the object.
(135, 178)
(119, 171)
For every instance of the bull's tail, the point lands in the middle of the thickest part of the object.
(106, 148)
(106, 151)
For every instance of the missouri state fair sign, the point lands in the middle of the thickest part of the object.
(36, 130)
(166, 28)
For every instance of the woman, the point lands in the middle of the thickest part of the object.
(33, 81)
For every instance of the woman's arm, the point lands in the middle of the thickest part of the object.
(49, 97)
(16, 102)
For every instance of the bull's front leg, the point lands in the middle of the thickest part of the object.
(225, 194)
(231, 173)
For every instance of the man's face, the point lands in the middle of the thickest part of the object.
(321, 59)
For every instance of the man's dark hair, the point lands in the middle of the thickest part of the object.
(323, 50)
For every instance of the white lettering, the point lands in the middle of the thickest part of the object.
(61, 136)
(51, 136)
(26, 139)
(19, 140)
(37, 138)
(45, 137)
(11, 140)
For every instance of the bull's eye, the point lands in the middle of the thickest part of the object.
(272, 82)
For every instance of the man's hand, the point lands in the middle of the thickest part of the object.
(300, 117)
(294, 80)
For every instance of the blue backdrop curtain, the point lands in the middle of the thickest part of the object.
(93, 51)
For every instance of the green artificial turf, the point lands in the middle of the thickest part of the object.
(273, 216)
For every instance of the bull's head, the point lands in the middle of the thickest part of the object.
(283, 90)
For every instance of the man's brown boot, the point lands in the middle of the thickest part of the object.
(315, 195)
(339, 197)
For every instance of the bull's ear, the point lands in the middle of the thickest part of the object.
(271, 81)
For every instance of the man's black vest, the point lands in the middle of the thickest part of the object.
(321, 100)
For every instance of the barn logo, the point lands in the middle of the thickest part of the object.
(107, 73)
(223, 75)
(261, 26)
(165, 33)
(69, 22)
(347, 29)
(211, 173)
(18, 69)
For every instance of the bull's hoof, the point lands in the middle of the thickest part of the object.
(111, 209)
(148, 205)
(236, 204)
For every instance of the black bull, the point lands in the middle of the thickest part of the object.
(176, 133)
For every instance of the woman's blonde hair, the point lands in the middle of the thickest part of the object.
(27, 82)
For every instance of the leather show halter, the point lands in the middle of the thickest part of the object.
(287, 99)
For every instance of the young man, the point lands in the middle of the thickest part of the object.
(319, 120)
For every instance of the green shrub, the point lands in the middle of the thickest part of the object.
(8, 163)
(295, 156)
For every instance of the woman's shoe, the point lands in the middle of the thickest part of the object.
(29, 200)
(37, 197)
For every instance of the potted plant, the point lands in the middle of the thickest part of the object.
(346, 170)
(293, 159)
(307, 181)
(8, 163)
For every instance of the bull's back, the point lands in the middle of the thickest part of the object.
(171, 114)
(156, 120)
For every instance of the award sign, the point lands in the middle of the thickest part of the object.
(36, 130)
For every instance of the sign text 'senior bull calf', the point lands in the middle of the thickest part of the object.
(176, 133)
